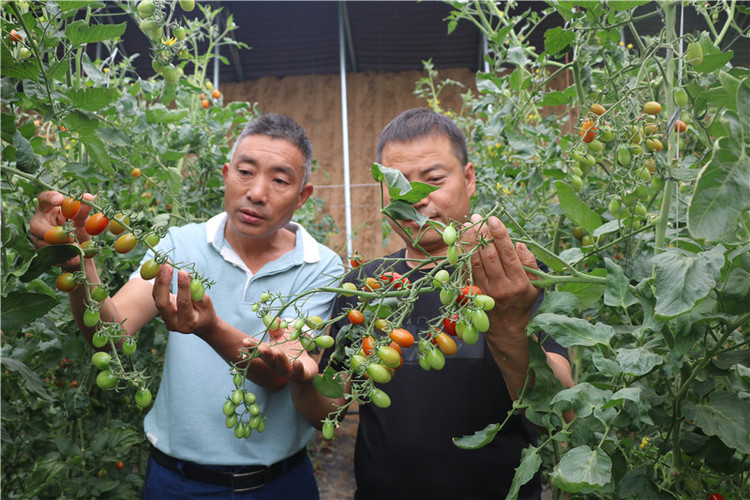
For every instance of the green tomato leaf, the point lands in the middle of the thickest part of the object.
(26, 160)
(92, 99)
(398, 187)
(617, 293)
(576, 210)
(47, 257)
(583, 398)
(21, 308)
(478, 439)
(159, 114)
(725, 177)
(626, 4)
(557, 39)
(724, 415)
(31, 381)
(530, 463)
(637, 484)
(98, 153)
(582, 469)
(557, 303)
(329, 384)
(574, 331)
(682, 279)
(80, 32)
(401, 210)
(638, 361)
(587, 293)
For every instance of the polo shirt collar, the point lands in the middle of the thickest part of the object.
(305, 249)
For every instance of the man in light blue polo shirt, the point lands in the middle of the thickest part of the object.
(249, 249)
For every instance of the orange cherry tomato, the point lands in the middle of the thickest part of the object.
(70, 207)
(402, 337)
(356, 317)
(588, 130)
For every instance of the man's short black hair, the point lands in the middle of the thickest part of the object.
(416, 123)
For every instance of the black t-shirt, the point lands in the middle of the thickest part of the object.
(406, 450)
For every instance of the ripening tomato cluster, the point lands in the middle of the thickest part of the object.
(241, 410)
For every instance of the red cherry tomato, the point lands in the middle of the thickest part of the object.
(96, 224)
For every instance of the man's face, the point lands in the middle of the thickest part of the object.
(431, 160)
(263, 187)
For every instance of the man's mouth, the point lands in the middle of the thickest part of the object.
(251, 216)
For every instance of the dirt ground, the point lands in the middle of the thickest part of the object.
(333, 461)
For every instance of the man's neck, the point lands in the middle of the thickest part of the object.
(257, 252)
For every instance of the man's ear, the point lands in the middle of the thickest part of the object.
(471, 179)
(307, 190)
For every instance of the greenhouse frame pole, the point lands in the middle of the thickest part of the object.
(345, 132)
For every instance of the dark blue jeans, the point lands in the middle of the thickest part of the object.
(298, 483)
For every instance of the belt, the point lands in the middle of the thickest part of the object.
(248, 478)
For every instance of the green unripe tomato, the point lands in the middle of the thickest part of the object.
(328, 429)
(146, 9)
(424, 363)
(379, 398)
(480, 320)
(179, 33)
(106, 380)
(657, 183)
(615, 207)
(596, 146)
(379, 373)
(237, 396)
(129, 346)
(99, 294)
(486, 302)
(250, 398)
(148, 25)
(680, 97)
(642, 193)
(324, 341)
(576, 183)
(187, 5)
(440, 277)
(143, 397)
(640, 210)
(231, 420)
(628, 199)
(587, 241)
(470, 334)
(623, 155)
(170, 74)
(694, 54)
(450, 235)
(447, 297)
(452, 255)
(606, 134)
(197, 290)
(356, 362)
(101, 360)
(346, 286)
(436, 359)
(98, 340)
(152, 239)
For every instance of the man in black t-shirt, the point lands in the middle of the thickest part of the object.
(406, 451)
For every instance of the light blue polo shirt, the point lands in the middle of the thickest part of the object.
(186, 420)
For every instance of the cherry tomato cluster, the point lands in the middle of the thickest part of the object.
(241, 410)
(153, 21)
